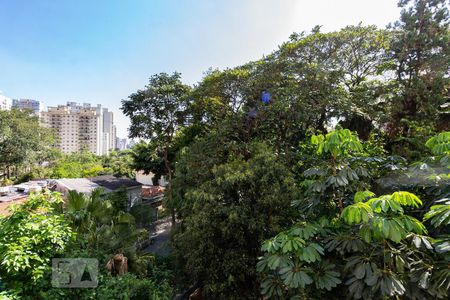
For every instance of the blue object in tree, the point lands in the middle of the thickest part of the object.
(265, 97)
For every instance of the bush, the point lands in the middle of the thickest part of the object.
(29, 238)
(124, 287)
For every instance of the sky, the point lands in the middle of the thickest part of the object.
(101, 51)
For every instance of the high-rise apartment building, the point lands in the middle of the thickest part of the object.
(31, 104)
(110, 129)
(131, 144)
(105, 143)
(5, 103)
(114, 138)
(80, 126)
(121, 144)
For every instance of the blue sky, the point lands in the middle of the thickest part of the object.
(101, 51)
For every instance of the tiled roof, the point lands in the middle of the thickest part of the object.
(152, 191)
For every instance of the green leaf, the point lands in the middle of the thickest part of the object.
(386, 227)
(305, 230)
(424, 280)
(311, 253)
(406, 199)
(396, 233)
(384, 204)
(357, 213)
(363, 195)
(293, 244)
(442, 246)
(326, 277)
(439, 144)
(366, 233)
(294, 277)
(360, 271)
(277, 261)
(411, 224)
(439, 215)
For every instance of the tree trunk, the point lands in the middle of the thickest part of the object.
(169, 174)
(321, 122)
(333, 169)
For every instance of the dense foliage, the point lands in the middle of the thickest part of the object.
(91, 226)
(320, 171)
(29, 238)
(375, 247)
(83, 164)
(337, 142)
(245, 200)
(22, 142)
(26, 152)
(157, 113)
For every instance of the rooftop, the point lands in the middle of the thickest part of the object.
(152, 191)
(15, 194)
(82, 185)
(113, 183)
(4, 206)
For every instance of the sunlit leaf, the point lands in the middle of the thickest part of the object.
(362, 196)
(357, 213)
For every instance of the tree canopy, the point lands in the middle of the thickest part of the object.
(336, 142)
(22, 141)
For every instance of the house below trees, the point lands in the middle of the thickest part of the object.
(108, 183)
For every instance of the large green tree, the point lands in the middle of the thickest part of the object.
(240, 202)
(77, 165)
(374, 248)
(23, 142)
(337, 238)
(30, 237)
(421, 51)
(157, 113)
(120, 163)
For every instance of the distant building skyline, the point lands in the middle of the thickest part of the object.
(38, 106)
(35, 105)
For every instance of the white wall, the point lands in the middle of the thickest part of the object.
(144, 179)
(5, 103)
(147, 179)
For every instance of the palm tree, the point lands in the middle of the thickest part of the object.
(102, 229)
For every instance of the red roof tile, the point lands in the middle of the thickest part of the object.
(152, 191)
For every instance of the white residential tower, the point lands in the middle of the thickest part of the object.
(81, 126)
